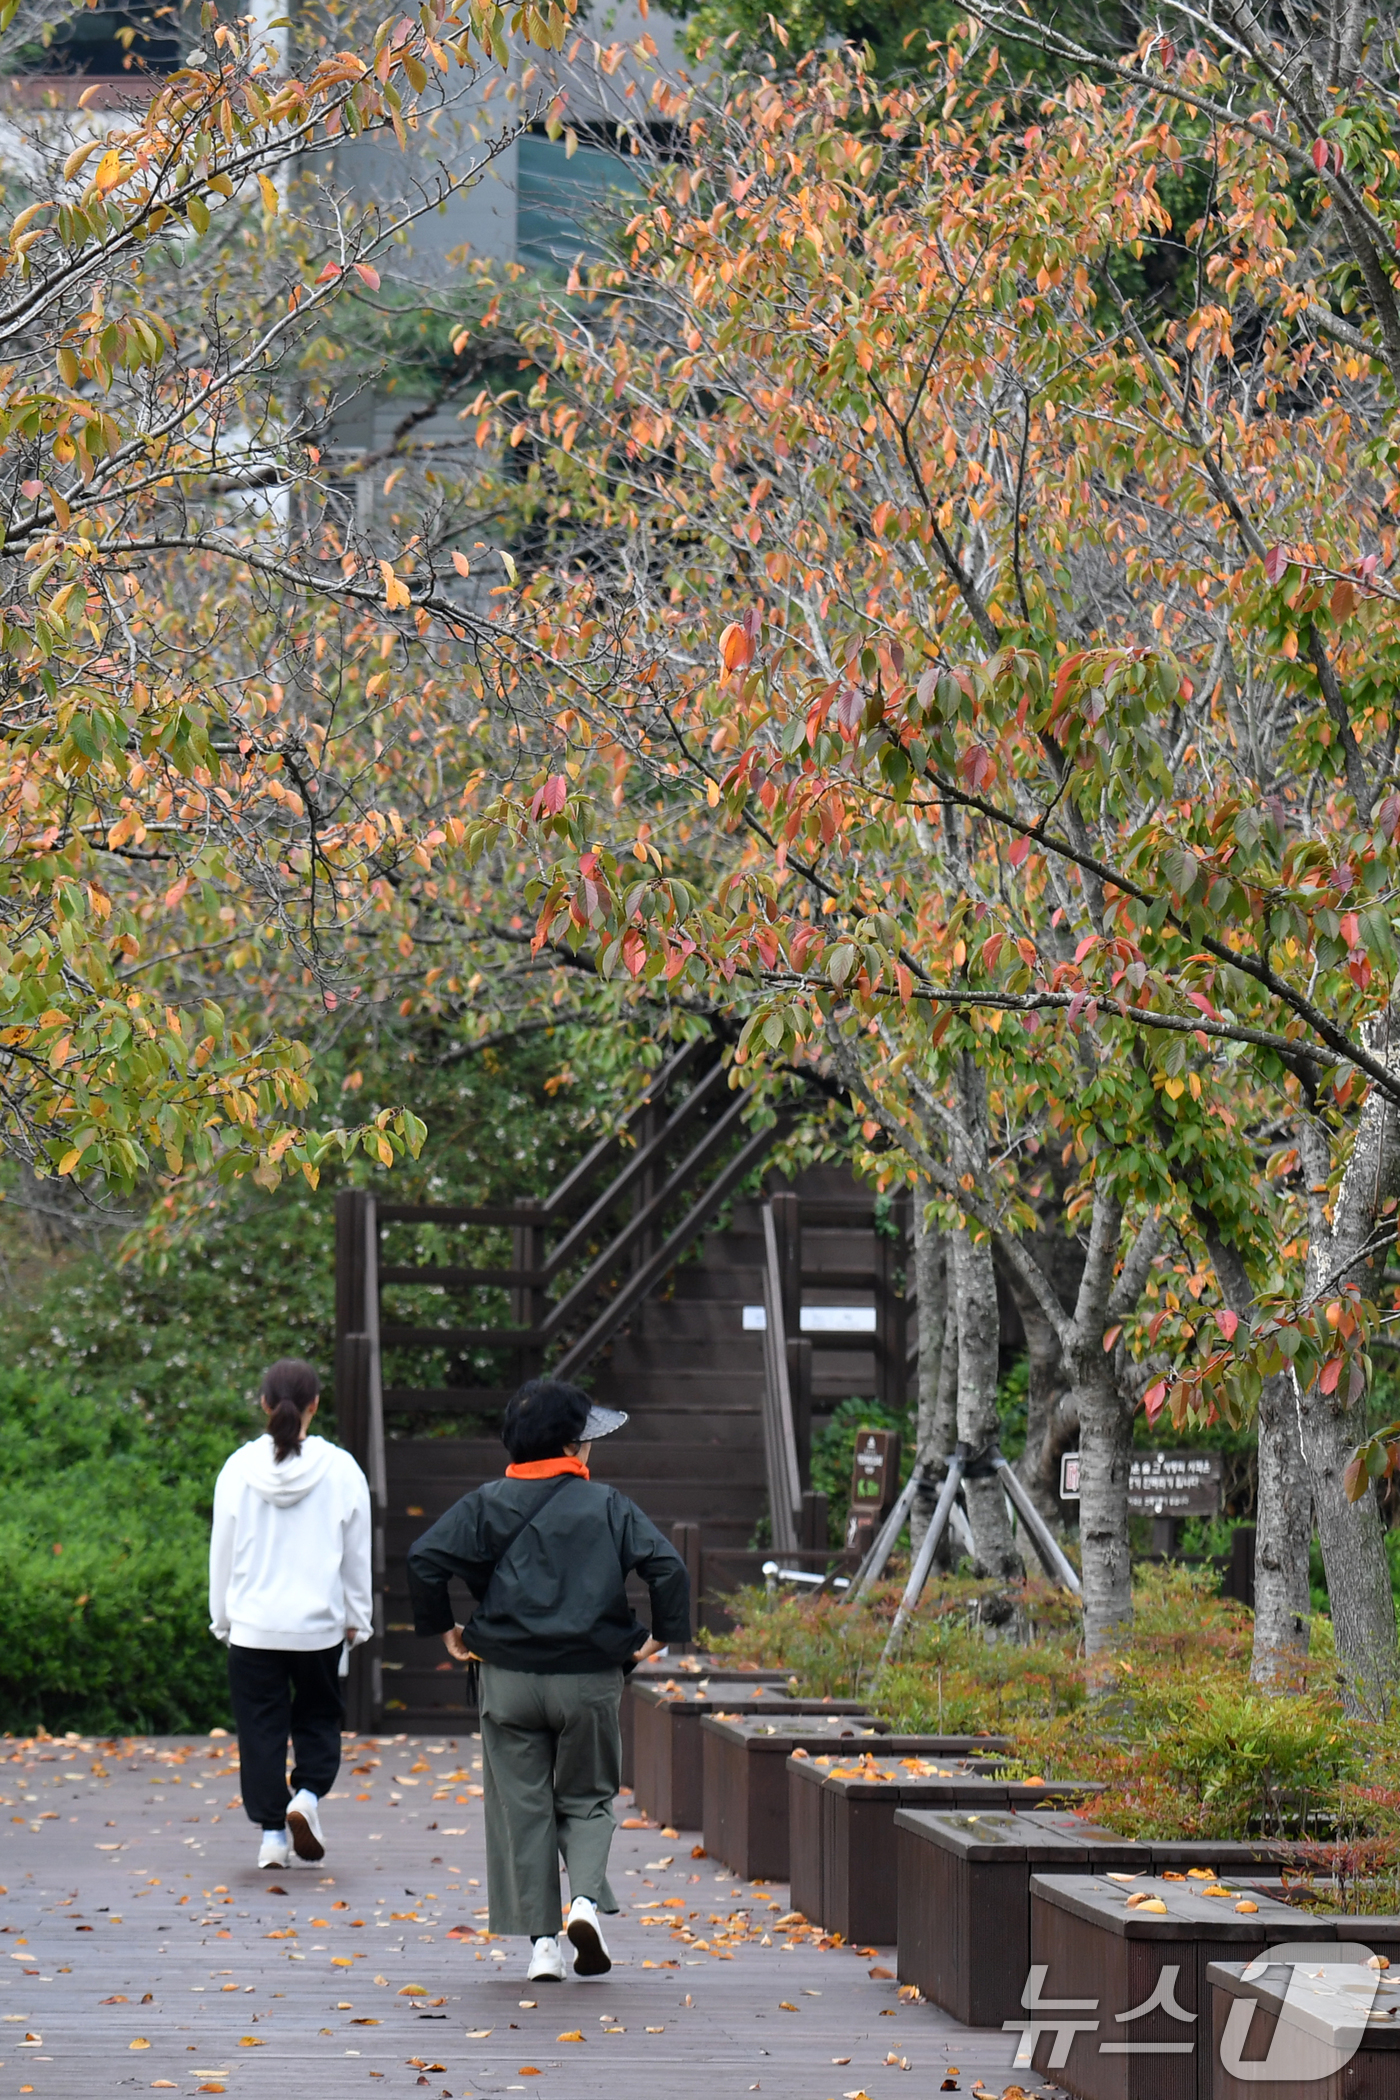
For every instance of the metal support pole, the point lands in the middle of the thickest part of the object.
(1046, 1544)
(914, 1588)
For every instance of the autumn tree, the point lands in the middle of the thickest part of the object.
(195, 632)
(996, 717)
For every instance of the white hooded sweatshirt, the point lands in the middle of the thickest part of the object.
(289, 1560)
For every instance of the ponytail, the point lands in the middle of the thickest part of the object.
(288, 1389)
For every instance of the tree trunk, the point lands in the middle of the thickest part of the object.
(1282, 1536)
(1283, 1517)
(1105, 1438)
(1340, 1250)
(1050, 1427)
(979, 1344)
(1105, 1442)
(935, 1423)
(1353, 1554)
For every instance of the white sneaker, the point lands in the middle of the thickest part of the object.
(274, 1851)
(591, 1957)
(304, 1826)
(546, 1963)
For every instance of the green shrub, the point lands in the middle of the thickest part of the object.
(103, 1559)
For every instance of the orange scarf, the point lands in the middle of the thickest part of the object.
(547, 1469)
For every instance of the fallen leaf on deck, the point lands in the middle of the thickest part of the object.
(573, 2035)
(783, 2006)
(362, 2022)
(528, 2071)
(412, 1990)
(120, 1999)
(479, 2034)
(840, 2059)
(250, 2041)
(878, 1971)
(140, 2042)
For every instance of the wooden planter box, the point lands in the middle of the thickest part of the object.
(666, 1761)
(821, 1888)
(1318, 2028)
(669, 1671)
(964, 1928)
(1094, 1948)
(963, 1894)
(746, 1784)
(859, 1868)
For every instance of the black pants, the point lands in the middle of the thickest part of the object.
(281, 1692)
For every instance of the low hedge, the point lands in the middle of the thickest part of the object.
(104, 1530)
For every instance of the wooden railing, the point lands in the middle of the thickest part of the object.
(683, 1152)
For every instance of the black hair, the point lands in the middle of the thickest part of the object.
(544, 1416)
(288, 1387)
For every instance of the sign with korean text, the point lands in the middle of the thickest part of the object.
(1160, 1483)
(874, 1478)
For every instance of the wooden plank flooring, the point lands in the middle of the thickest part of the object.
(141, 1949)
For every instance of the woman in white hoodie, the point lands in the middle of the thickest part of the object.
(289, 1592)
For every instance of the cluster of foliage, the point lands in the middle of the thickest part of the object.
(1185, 1745)
(954, 648)
(104, 1544)
(190, 720)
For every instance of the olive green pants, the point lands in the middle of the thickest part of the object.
(551, 1758)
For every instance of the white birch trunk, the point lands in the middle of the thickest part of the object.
(1350, 1533)
(935, 1423)
(1283, 1514)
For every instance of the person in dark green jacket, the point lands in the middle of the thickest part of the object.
(546, 1553)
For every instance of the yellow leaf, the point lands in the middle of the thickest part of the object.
(109, 174)
(573, 2035)
(395, 590)
(139, 2043)
(508, 564)
(69, 1161)
(77, 157)
(269, 194)
(412, 1990)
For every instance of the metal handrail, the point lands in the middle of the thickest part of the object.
(779, 1430)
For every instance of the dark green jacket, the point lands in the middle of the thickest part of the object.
(557, 1602)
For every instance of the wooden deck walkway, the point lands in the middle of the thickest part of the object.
(142, 1950)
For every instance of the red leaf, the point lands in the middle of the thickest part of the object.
(1153, 1398)
(1228, 1323)
(1111, 1337)
(367, 274)
(1331, 1372)
(1319, 154)
(329, 274)
(850, 706)
(1356, 1478)
(550, 798)
(1275, 562)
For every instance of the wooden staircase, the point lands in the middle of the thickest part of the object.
(718, 1421)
